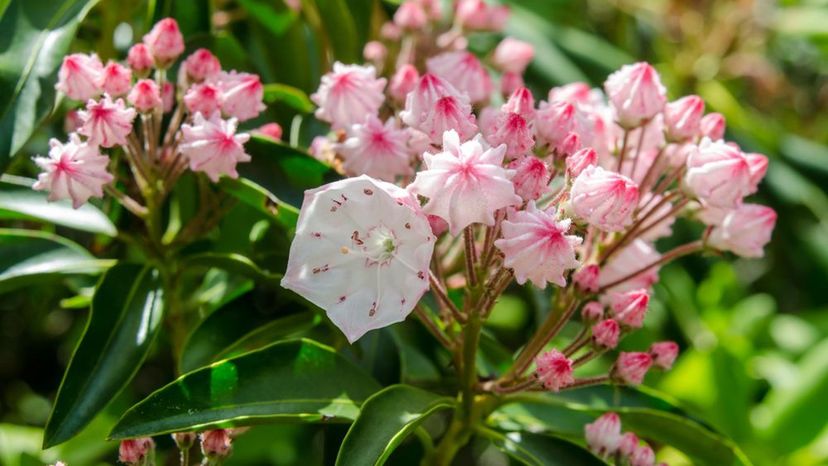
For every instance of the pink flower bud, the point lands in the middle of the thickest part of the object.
(664, 353)
(592, 311)
(348, 94)
(531, 177)
(165, 42)
(555, 121)
(377, 150)
(410, 15)
(478, 15)
(72, 121)
(636, 94)
(167, 96)
(605, 333)
(758, 168)
(712, 126)
(587, 278)
(576, 93)
(106, 123)
(513, 56)
(435, 106)
(204, 98)
(184, 440)
(201, 65)
(629, 443)
(75, 170)
(510, 82)
(632, 257)
(603, 198)
(580, 160)
(115, 79)
(630, 308)
(375, 51)
(464, 71)
(390, 31)
(79, 76)
(213, 147)
(682, 118)
(718, 174)
(522, 103)
(145, 96)
(139, 58)
(744, 231)
(271, 130)
(216, 443)
(438, 225)
(570, 144)
(133, 451)
(536, 246)
(642, 456)
(604, 435)
(403, 82)
(630, 368)
(515, 132)
(242, 94)
(554, 370)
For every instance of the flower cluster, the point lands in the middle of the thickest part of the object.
(605, 439)
(125, 105)
(574, 190)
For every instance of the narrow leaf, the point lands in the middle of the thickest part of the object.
(541, 450)
(288, 95)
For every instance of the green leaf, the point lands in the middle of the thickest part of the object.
(28, 256)
(36, 36)
(276, 20)
(233, 263)
(385, 420)
(288, 95)
(262, 200)
(125, 318)
(339, 26)
(19, 201)
(541, 450)
(294, 380)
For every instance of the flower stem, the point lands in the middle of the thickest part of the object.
(675, 253)
(471, 256)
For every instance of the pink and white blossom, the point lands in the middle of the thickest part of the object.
(604, 199)
(682, 118)
(404, 81)
(537, 247)
(587, 278)
(434, 106)
(531, 178)
(758, 168)
(592, 311)
(115, 79)
(630, 368)
(604, 434)
(204, 98)
(577, 162)
(605, 333)
(75, 170)
(201, 65)
(242, 94)
(272, 130)
(554, 370)
(510, 82)
(140, 59)
(479, 15)
(629, 308)
(512, 55)
(165, 42)
(348, 94)
(744, 231)
(465, 183)
(135, 451)
(636, 93)
(555, 120)
(361, 252)
(642, 456)
(167, 96)
(635, 256)
(712, 126)
(216, 443)
(512, 130)
(106, 123)
(79, 76)
(664, 353)
(464, 71)
(629, 442)
(212, 146)
(410, 15)
(145, 96)
(718, 174)
(377, 150)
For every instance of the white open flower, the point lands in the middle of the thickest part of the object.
(361, 252)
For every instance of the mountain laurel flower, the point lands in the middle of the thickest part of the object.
(512, 55)
(347, 94)
(636, 93)
(603, 198)
(744, 231)
(629, 442)
(410, 16)
(465, 183)
(515, 132)
(605, 333)
(630, 368)
(204, 98)
(375, 51)
(718, 174)
(758, 168)
(75, 170)
(510, 82)
(464, 71)
(634, 256)
(79, 76)
(242, 94)
(682, 118)
(712, 126)
(434, 106)
(272, 130)
(145, 96)
(140, 59)
(135, 451)
(578, 161)
(630, 308)
(521, 102)
(531, 178)
(536, 246)
(377, 150)
(213, 147)
(570, 144)
(106, 123)
(165, 42)
(604, 434)
(201, 65)
(115, 79)
(592, 311)
(555, 120)
(586, 278)
(480, 16)
(404, 81)
(664, 354)
(362, 252)
(554, 370)
(216, 443)
(643, 455)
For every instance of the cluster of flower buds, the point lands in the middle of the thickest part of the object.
(605, 439)
(216, 445)
(125, 106)
(137, 452)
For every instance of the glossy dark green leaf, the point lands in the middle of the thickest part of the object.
(126, 315)
(276, 17)
(415, 366)
(28, 256)
(340, 28)
(385, 420)
(233, 263)
(283, 170)
(541, 450)
(19, 200)
(36, 36)
(294, 380)
(288, 95)
(262, 200)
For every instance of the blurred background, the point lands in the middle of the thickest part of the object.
(754, 333)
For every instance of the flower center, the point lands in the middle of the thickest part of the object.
(379, 245)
